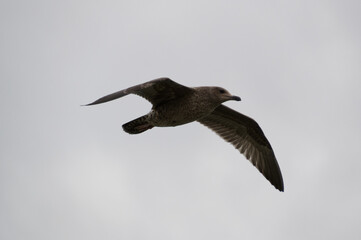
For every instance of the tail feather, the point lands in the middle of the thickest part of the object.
(138, 125)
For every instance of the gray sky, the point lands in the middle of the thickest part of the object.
(70, 172)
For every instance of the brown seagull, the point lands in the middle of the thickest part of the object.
(175, 104)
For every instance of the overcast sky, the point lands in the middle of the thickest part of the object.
(70, 172)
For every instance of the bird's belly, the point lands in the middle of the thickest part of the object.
(174, 118)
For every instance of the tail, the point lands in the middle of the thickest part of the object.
(138, 125)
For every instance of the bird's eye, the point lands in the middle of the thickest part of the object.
(222, 91)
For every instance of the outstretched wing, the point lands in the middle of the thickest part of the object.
(246, 136)
(156, 91)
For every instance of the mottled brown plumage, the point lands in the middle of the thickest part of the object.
(175, 104)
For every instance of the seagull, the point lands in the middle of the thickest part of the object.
(175, 104)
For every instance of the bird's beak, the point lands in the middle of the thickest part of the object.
(236, 98)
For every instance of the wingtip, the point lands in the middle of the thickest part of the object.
(84, 105)
(279, 187)
(100, 100)
(277, 182)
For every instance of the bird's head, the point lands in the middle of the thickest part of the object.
(222, 95)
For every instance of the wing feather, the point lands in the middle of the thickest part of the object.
(248, 138)
(157, 91)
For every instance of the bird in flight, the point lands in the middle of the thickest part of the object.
(175, 104)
